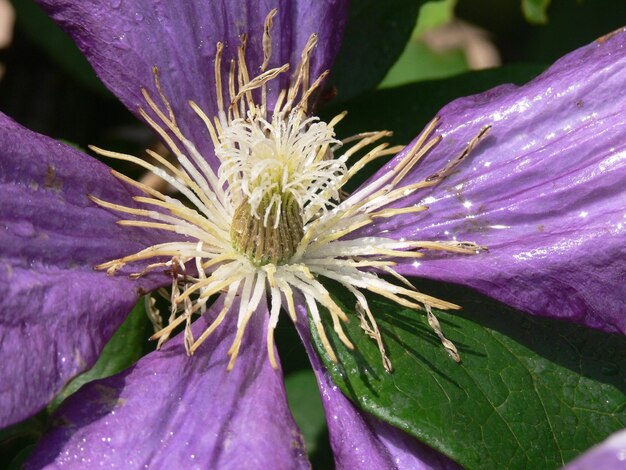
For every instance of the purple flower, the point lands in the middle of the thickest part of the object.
(609, 454)
(529, 213)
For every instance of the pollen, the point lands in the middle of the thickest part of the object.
(272, 220)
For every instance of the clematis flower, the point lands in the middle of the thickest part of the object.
(610, 453)
(530, 214)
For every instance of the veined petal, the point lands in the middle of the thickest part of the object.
(359, 440)
(544, 192)
(56, 312)
(124, 40)
(172, 411)
(610, 454)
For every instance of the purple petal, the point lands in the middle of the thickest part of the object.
(124, 40)
(544, 192)
(56, 311)
(608, 455)
(359, 440)
(174, 411)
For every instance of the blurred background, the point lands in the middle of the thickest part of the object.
(48, 86)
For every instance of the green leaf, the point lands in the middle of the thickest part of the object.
(306, 406)
(303, 394)
(123, 349)
(18, 462)
(417, 61)
(535, 11)
(56, 44)
(434, 14)
(375, 36)
(529, 393)
(17, 441)
(406, 109)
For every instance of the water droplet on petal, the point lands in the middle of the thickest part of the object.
(24, 229)
(121, 42)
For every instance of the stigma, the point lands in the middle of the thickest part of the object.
(272, 220)
(278, 171)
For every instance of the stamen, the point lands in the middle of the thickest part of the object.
(315, 315)
(258, 82)
(218, 77)
(207, 122)
(157, 83)
(231, 88)
(449, 345)
(386, 213)
(302, 72)
(369, 325)
(377, 152)
(246, 309)
(398, 276)
(417, 151)
(288, 293)
(437, 177)
(153, 312)
(276, 305)
(142, 187)
(307, 94)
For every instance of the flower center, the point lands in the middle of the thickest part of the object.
(271, 239)
(267, 221)
(281, 173)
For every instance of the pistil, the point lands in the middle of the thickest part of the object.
(273, 238)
